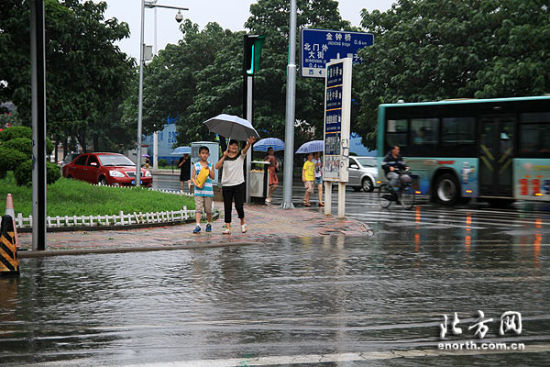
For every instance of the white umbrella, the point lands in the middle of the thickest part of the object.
(232, 127)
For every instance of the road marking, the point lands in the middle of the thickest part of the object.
(427, 215)
(336, 357)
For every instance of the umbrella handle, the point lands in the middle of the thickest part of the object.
(227, 145)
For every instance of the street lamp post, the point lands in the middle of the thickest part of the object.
(179, 18)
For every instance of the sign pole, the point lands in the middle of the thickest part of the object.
(328, 197)
(337, 116)
(341, 199)
(290, 111)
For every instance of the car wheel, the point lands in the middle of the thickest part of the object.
(102, 181)
(447, 190)
(367, 185)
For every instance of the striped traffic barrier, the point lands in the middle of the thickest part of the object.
(11, 212)
(9, 265)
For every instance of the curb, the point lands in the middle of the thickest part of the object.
(51, 253)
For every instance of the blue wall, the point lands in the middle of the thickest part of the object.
(166, 139)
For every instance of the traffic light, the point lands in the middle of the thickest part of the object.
(252, 51)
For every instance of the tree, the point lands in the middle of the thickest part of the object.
(86, 74)
(202, 75)
(271, 17)
(170, 85)
(428, 50)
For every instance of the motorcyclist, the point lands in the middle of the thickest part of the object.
(395, 169)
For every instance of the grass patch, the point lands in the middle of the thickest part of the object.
(72, 197)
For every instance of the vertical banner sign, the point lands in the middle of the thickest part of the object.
(337, 120)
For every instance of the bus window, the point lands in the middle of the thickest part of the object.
(458, 136)
(534, 133)
(458, 130)
(424, 137)
(534, 138)
(396, 133)
(424, 131)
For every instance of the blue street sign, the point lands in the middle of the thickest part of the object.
(318, 47)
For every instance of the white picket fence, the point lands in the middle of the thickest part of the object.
(121, 219)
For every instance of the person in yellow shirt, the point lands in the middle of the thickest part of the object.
(308, 177)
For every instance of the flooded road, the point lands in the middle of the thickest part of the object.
(312, 301)
(369, 300)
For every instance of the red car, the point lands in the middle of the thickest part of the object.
(106, 169)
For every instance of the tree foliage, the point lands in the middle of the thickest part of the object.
(271, 17)
(428, 50)
(171, 81)
(86, 74)
(202, 75)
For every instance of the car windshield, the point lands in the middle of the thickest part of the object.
(367, 162)
(115, 160)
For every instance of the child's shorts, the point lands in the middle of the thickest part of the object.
(203, 204)
(318, 180)
(309, 186)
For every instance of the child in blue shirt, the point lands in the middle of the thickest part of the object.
(204, 195)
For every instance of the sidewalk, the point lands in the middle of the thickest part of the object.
(265, 223)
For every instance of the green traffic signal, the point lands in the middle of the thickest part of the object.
(252, 52)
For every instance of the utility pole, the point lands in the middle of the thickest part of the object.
(38, 80)
(150, 4)
(290, 110)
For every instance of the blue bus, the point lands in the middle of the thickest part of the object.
(492, 149)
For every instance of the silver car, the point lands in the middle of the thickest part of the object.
(363, 173)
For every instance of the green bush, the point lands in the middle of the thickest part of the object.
(23, 145)
(10, 159)
(23, 173)
(53, 172)
(163, 162)
(16, 132)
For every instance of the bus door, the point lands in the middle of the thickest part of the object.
(496, 151)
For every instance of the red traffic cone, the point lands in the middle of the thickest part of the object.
(11, 212)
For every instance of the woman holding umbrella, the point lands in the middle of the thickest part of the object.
(233, 184)
(273, 180)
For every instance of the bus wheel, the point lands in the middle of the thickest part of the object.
(447, 189)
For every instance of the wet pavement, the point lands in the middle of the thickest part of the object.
(264, 223)
(295, 297)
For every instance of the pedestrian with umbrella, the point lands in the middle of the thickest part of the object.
(273, 179)
(309, 177)
(184, 164)
(270, 145)
(147, 163)
(232, 161)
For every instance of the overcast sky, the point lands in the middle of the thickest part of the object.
(230, 14)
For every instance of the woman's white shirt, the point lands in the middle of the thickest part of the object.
(233, 173)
